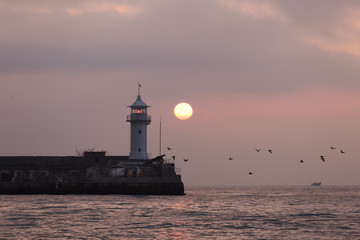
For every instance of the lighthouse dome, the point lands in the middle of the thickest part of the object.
(139, 103)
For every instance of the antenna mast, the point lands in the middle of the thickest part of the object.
(160, 139)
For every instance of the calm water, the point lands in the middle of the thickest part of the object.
(269, 212)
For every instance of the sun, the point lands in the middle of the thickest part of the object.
(183, 111)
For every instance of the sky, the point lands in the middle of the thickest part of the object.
(280, 75)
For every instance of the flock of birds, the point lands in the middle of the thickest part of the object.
(173, 157)
(322, 157)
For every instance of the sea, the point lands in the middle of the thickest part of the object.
(241, 212)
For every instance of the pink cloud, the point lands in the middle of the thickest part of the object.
(255, 9)
(345, 35)
(103, 7)
(127, 10)
(317, 103)
(344, 42)
(74, 8)
(4, 6)
(73, 12)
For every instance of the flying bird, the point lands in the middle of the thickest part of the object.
(168, 148)
(332, 147)
(301, 161)
(250, 173)
(258, 150)
(185, 160)
(230, 158)
(322, 158)
(270, 151)
(342, 151)
(173, 157)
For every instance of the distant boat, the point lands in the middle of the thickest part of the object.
(316, 184)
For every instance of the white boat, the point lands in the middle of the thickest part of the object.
(316, 184)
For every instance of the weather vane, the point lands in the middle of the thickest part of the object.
(139, 86)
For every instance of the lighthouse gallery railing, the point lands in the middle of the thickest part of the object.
(138, 117)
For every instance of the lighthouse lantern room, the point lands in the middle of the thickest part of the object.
(139, 119)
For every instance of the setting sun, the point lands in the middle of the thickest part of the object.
(183, 111)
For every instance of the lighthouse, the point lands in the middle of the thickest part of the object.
(139, 119)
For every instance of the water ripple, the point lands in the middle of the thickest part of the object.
(270, 212)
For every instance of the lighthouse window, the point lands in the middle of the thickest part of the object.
(139, 150)
(138, 111)
(139, 131)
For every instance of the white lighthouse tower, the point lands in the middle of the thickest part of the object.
(139, 119)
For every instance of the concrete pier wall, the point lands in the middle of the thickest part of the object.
(93, 173)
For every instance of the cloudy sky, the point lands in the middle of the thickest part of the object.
(280, 75)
